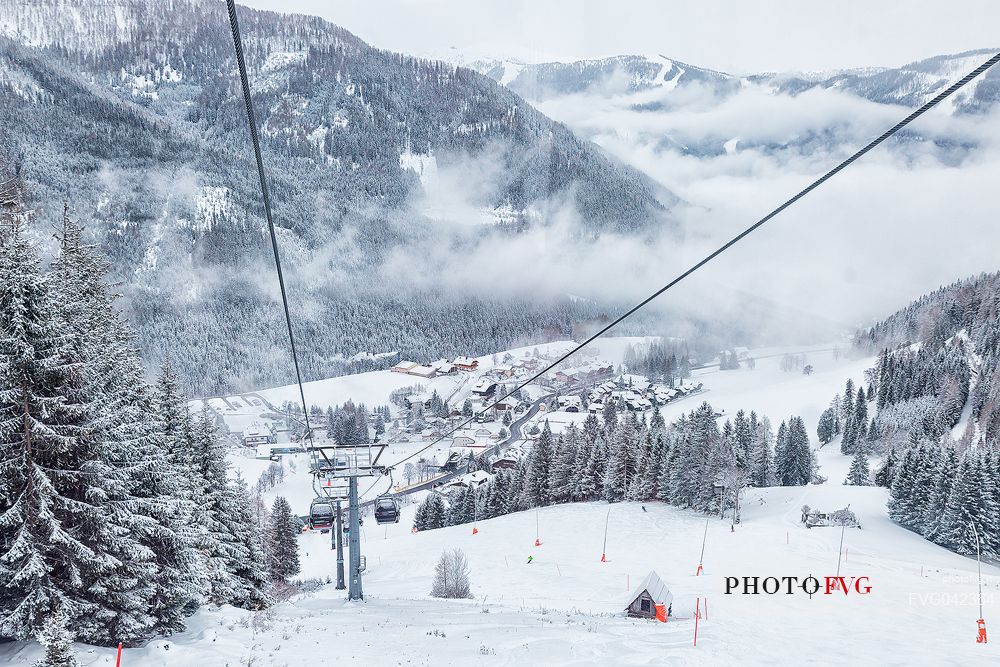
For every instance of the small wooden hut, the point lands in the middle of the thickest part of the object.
(650, 599)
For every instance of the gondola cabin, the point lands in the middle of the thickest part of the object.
(386, 510)
(321, 514)
(651, 599)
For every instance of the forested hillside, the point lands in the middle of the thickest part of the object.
(930, 409)
(118, 518)
(130, 110)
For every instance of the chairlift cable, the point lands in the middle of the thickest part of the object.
(265, 193)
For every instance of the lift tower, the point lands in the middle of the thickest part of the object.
(336, 469)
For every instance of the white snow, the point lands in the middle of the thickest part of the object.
(565, 607)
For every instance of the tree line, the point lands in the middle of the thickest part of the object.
(117, 513)
(691, 463)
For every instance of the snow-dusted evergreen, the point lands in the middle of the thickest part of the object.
(691, 463)
(282, 541)
(103, 516)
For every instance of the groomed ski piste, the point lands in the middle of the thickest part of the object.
(566, 606)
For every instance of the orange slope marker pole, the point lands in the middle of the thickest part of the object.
(697, 615)
(604, 549)
(118, 660)
(701, 558)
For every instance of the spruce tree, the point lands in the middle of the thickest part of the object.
(860, 473)
(621, 463)
(536, 481)
(41, 429)
(762, 473)
(970, 501)
(943, 478)
(282, 542)
(784, 464)
(564, 465)
(56, 639)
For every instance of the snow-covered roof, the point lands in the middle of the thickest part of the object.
(653, 585)
(405, 366)
(443, 366)
(464, 361)
(256, 429)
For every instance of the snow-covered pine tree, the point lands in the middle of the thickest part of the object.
(231, 541)
(826, 428)
(647, 483)
(420, 515)
(536, 481)
(784, 463)
(860, 473)
(56, 639)
(887, 471)
(667, 482)
(805, 460)
(564, 465)
(471, 511)
(144, 514)
(847, 417)
(435, 511)
(621, 462)
(583, 451)
(762, 473)
(927, 462)
(455, 514)
(900, 493)
(41, 426)
(943, 478)
(971, 501)
(743, 435)
(592, 480)
(610, 417)
(282, 542)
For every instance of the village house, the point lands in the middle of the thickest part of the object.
(466, 363)
(443, 367)
(484, 388)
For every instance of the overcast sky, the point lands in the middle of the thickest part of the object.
(737, 36)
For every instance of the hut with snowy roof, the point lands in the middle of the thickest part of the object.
(650, 599)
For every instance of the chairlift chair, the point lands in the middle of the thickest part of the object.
(321, 513)
(386, 509)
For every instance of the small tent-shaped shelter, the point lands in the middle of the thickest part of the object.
(650, 599)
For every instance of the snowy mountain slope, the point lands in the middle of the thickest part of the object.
(908, 85)
(563, 608)
(619, 74)
(128, 109)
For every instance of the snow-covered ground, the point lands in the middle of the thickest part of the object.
(565, 607)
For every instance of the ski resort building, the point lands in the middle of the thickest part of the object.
(258, 433)
(413, 368)
(404, 367)
(466, 363)
(650, 599)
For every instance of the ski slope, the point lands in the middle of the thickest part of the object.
(565, 607)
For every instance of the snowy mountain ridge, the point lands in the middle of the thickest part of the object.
(911, 84)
